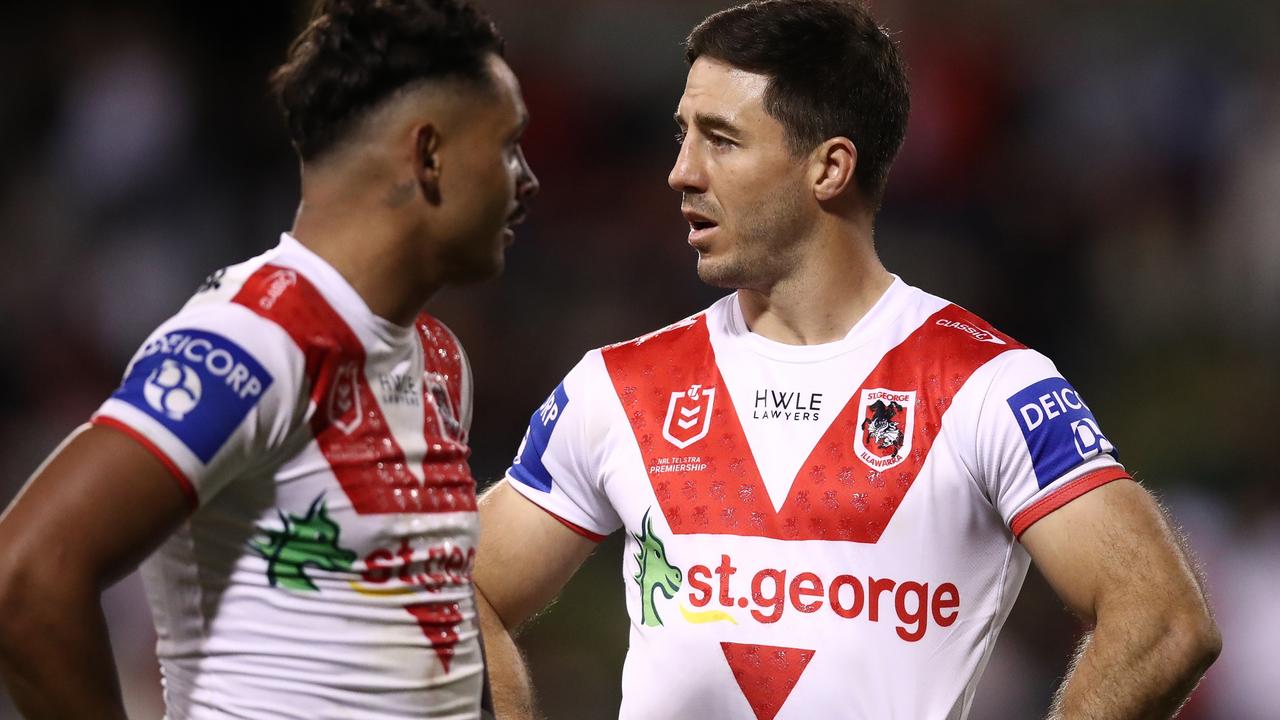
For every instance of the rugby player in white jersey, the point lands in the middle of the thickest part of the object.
(289, 451)
(831, 483)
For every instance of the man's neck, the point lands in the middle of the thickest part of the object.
(831, 289)
(371, 255)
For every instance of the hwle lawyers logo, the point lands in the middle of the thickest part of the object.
(689, 416)
(787, 405)
(1059, 429)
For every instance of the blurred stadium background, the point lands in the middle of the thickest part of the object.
(1098, 179)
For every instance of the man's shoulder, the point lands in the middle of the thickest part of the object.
(692, 329)
(443, 347)
(224, 284)
(942, 321)
(218, 306)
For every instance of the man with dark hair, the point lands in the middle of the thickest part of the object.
(289, 451)
(832, 483)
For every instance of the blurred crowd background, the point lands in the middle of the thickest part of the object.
(1099, 179)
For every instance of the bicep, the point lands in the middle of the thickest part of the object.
(96, 508)
(1111, 546)
(526, 555)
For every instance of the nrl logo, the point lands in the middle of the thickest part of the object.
(884, 437)
(344, 399)
(689, 416)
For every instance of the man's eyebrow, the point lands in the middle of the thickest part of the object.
(521, 126)
(710, 121)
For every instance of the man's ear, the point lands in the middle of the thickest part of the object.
(426, 161)
(834, 164)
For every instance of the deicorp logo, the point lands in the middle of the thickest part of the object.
(1058, 427)
(527, 466)
(173, 389)
(198, 384)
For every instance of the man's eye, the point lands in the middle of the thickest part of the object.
(719, 141)
(680, 136)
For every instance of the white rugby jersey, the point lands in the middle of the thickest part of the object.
(325, 570)
(824, 531)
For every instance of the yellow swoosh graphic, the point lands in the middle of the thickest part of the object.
(398, 590)
(707, 616)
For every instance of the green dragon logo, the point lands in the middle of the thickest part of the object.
(310, 540)
(655, 572)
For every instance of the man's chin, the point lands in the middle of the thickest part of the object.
(476, 270)
(483, 272)
(718, 274)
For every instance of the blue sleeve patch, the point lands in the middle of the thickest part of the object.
(528, 467)
(198, 384)
(1058, 427)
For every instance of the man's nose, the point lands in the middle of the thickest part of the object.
(687, 175)
(527, 186)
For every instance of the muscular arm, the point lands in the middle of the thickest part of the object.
(1112, 557)
(87, 517)
(525, 558)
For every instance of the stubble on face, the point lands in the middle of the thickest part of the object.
(767, 242)
(736, 169)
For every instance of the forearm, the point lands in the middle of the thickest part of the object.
(1128, 670)
(508, 675)
(55, 658)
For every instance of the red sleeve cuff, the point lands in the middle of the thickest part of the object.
(184, 484)
(593, 537)
(1041, 508)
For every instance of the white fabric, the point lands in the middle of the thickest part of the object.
(230, 643)
(951, 531)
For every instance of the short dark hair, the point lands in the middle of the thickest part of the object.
(356, 53)
(833, 71)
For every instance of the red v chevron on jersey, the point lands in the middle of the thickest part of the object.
(349, 425)
(856, 476)
(439, 622)
(766, 674)
(774, 556)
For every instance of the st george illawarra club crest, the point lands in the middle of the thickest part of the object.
(689, 416)
(887, 423)
(438, 396)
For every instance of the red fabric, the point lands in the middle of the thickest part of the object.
(836, 495)
(193, 500)
(766, 674)
(1041, 508)
(593, 537)
(439, 622)
(348, 425)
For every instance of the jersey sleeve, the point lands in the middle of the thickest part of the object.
(211, 393)
(1039, 445)
(558, 464)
